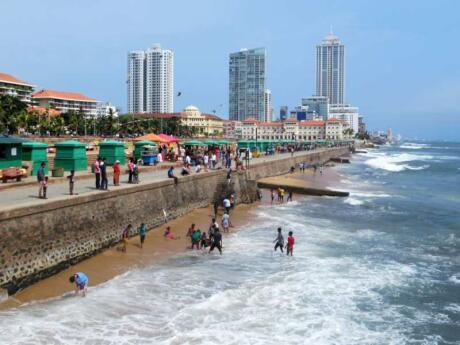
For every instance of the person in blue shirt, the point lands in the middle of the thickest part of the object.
(142, 234)
(81, 282)
(171, 174)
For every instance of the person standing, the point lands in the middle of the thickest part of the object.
(116, 173)
(142, 234)
(125, 236)
(227, 205)
(103, 168)
(130, 170)
(290, 244)
(45, 187)
(71, 178)
(226, 223)
(272, 193)
(214, 160)
(216, 241)
(97, 172)
(279, 241)
(41, 179)
(81, 282)
(289, 198)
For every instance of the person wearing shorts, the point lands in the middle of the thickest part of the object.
(81, 282)
(279, 241)
(290, 244)
(216, 241)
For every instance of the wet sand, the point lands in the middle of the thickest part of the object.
(113, 262)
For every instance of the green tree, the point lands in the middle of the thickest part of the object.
(10, 108)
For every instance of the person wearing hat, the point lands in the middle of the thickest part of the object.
(116, 173)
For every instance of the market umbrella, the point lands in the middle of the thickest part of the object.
(152, 137)
(169, 138)
(193, 143)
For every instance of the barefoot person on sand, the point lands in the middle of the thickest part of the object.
(290, 244)
(169, 235)
(216, 241)
(125, 236)
(279, 240)
(142, 234)
(81, 282)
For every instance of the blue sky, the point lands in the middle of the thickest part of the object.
(402, 62)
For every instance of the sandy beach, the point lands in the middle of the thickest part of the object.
(113, 262)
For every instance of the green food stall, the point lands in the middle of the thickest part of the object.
(137, 154)
(35, 152)
(193, 143)
(112, 150)
(10, 151)
(70, 155)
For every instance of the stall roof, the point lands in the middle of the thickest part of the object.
(152, 137)
(11, 139)
(193, 143)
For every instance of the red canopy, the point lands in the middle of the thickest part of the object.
(153, 137)
(169, 138)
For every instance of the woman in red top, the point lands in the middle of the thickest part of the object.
(290, 243)
(116, 173)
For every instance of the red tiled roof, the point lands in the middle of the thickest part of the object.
(212, 116)
(43, 110)
(13, 80)
(269, 124)
(333, 119)
(291, 120)
(312, 123)
(250, 120)
(71, 96)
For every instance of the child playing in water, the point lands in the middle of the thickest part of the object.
(169, 235)
(290, 244)
(81, 282)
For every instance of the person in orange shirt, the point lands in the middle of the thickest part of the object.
(116, 173)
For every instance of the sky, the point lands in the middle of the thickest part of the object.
(402, 57)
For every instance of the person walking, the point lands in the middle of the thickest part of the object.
(97, 172)
(216, 241)
(45, 187)
(226, 223)
(116, 173)
(103, 168)
(125, 236)
(227, 205)
(289, 198)
(41, 179)
(279, 241)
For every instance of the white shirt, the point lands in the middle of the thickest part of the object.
(226, 203)
(188, 160)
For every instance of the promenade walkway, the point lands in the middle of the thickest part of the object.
(28, 195)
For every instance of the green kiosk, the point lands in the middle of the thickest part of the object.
(138, 148)
(10, 151)
(112, 150)
(35, 152)
(71, 155)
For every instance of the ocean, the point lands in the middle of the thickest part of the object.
(379, 267)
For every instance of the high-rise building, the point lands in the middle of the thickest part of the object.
(330, 69)
(284, 112)
(247, 84)
(151, 81)
(317, 107)
(268, 115)
(12, 86)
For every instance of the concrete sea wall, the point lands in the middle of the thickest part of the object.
(40, 240)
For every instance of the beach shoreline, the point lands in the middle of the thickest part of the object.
(112, 262)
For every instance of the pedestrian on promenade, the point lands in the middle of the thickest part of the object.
(289, 198)
(142, 234)
(71, 179)
(41, 179)
(81, 282)
(216, 241)
(279, 241)
(135, 173)
(290, 244)
(116, 173)
(130, 170)
(171, 174)
(125, 236)
(103, 168)
(97, 172)
(205, 162)
(214, 160)
(45, 187)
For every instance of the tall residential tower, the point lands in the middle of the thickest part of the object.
(330, 69)
(151, 81)
(247, 84)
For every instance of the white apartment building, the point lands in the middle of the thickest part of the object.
(233, 129)
(105, 108)
(347, 113)
(291, 129)
(151, 81)
(12, 86)
(65, 102)
(268, 109)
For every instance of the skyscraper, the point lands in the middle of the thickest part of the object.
(247, 84)
(330, 69)
(151, 80)
(284, 112)
(268, 112)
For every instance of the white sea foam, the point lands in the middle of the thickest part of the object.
(392, 162)
(353, 201)
(455, 279)
(414, 146)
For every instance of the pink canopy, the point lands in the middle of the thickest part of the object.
(169, 138)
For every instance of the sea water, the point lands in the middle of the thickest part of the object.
(379, 267)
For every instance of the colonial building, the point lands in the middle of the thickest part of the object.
(292, 129)
(12, 86)
(65, 102)
(191, 116)
(232, 129)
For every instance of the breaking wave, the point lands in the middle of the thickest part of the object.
(392, 163)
